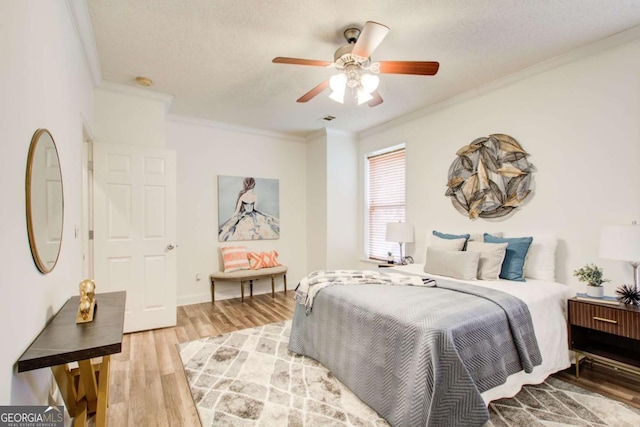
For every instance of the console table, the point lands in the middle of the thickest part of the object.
(85, 389)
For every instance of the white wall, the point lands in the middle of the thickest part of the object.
(316, 201)
(44, 84)
(206, 151)
(127, 118)
(332, 190)
(341, 200)
(581, 124)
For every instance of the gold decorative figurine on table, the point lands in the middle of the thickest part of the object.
(87, 304)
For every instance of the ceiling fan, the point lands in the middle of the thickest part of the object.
(356, 70)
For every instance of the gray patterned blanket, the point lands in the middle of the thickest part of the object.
(419, 356)
(320, 279)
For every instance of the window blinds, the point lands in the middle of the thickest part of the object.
(386, 189)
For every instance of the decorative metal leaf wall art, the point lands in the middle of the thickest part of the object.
(490, 177)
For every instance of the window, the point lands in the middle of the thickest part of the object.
(386, 199)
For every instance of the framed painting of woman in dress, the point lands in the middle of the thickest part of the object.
(248, 208)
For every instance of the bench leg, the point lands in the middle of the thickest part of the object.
(251, 287)
(213, 290)
(273, 286)
(242, 289)
(285, 283)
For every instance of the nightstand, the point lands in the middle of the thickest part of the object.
(607, 333)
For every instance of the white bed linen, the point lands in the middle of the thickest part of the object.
(547, 302)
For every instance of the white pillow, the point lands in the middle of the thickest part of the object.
(491, 257)
(448, 244)
(541, 259)
(461, 265)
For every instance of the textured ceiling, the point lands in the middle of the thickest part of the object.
(215, 56)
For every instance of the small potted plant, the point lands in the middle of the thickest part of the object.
(591, 274)
(389, 257)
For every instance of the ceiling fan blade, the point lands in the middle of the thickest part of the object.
(423, 68)
(314, 92)
(370, 38)
(298, 61)
(377, 99)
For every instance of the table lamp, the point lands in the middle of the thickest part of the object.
(400, 232)
(622, 242)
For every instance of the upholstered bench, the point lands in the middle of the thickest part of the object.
(249, 276)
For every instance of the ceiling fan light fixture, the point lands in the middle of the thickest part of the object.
(369, 82)
(363, 96)
(338, 97)
(353, 61)
(338, 83)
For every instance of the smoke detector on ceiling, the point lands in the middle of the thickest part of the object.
(144, 81)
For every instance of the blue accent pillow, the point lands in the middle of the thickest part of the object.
(453, 236)
(513, 264)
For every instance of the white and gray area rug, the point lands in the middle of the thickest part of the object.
(249, 378)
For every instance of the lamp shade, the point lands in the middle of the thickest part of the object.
(400, 232)
(620, 242)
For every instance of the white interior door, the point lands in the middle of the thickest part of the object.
(47, 202)
(134, 199)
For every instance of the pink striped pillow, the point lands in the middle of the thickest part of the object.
(234, 258)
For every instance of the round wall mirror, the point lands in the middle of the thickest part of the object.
(45, 204)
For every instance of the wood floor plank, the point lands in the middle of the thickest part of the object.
(165, 364)
(149, 387)
(181, 334)
(191, 332)
(148, 396)
(174, 406)
(119, 382)
(615, 384)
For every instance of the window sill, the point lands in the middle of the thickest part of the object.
(374, 261)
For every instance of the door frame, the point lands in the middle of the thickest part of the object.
(86, 231)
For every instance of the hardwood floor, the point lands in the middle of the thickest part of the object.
(149, 388)
(148, 385)
(607, 381)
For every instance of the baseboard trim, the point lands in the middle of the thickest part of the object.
(206, 297)
(194, 299)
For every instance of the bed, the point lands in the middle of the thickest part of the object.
(378, 341)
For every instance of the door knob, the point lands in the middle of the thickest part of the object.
(170, 247)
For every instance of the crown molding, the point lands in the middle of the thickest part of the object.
(338, 132)
(139, 92)
(329, 132)
(555, 62)
(316, 134)
(79, 12)
(233, 128)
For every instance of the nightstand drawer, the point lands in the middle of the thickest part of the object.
(606, 319)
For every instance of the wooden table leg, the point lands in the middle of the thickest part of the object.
(80, 420)
(67, 388)
(273, 287)
(213, 290)
(251, 287)
(242, 289)
(103, 392)
(88, 378)
(285, 283)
